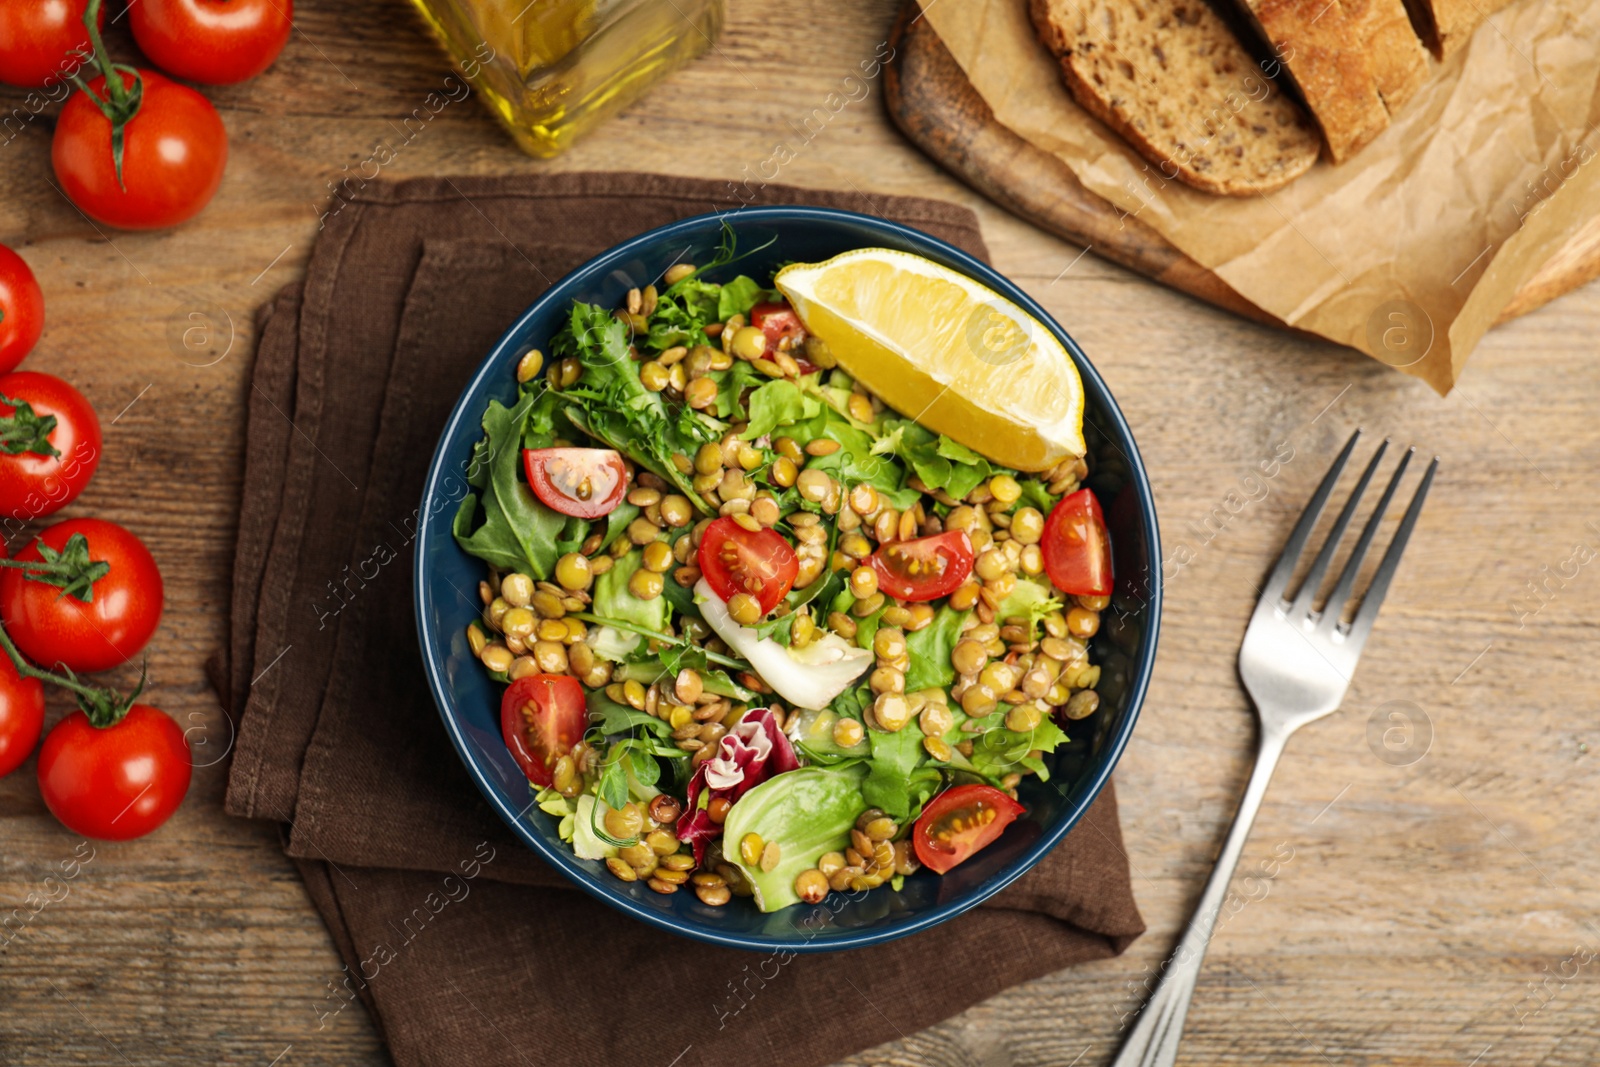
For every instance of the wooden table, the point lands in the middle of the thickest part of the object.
(1413, 904)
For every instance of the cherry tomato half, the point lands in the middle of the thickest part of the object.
(1077, 548)
(959, 822)
(174, 152)
(542, 716)
(33, 485)
(777, 321)
(758, 562)
(585, 482)
(119, 782)
(21, 716)
(52, 628)
(926, 568)
(216, 42)
(37, 39)
(21, 310)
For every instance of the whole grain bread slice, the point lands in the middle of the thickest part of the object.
(1171, 78)
(1399, 63)
(1320, 47)
(1446, 25)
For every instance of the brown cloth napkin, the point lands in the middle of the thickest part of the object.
(463, 945)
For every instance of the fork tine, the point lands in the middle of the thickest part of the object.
(1319, 567)
(1347, 578)
(1278, 581)
(1367, 614)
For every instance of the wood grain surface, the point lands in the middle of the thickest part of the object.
(932, 102)
(1430, 912)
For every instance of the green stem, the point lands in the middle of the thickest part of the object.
(91, 22)
(643, 631)
(28, 670)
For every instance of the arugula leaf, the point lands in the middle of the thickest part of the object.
(611, 404)
(613, 785)
(938, 461)
(517, 532)
(682, 314)
(929, 649)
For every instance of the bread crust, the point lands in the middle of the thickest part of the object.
(1399, 62)
(1171, 79)
(1337, 81)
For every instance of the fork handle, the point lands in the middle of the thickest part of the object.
(1153, 1039)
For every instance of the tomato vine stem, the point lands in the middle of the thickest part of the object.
(103, 705)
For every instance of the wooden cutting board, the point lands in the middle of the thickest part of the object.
(932, 102)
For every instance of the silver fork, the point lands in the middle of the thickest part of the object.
(1296, 664)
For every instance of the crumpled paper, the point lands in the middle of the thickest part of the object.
(1410, 250)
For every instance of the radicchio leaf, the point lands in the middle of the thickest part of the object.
(747, 755)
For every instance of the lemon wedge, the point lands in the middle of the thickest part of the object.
(946, 351)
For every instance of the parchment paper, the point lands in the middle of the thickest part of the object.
(1409, 250)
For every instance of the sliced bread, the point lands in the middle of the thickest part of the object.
(1313, 39)
(1446, 25)
(1172, 79)
(1399, 63)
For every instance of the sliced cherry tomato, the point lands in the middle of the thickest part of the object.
(758, 562)
(38, 39)
(542, 717)
(33, 482)
(777, 321)
(216, 42)
(1077, 548)
(585, 482)
(174, 152)
(52, 626)
(118, 782)
(959, 822)
(926, 568)
(21, 310)
(21, 716)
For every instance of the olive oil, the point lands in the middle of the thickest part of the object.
(552, 69)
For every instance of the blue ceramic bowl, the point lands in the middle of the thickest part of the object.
(469, 702)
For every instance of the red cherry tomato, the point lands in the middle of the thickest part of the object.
(37, 38)
(777, 321)
(542, 716)
(51, 628)
(959, 822)
(758, 562)
(21, 310)
(585, 482)
(21, 715)
(116, 783)
(216, 42)
(1077, 548)
(175, 150)
(926, 568)
(32, 484)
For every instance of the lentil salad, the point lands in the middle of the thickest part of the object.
(761, 634)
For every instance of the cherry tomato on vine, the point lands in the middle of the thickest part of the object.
(118, 782)
(1076, 546)
(53, 626)
(959, 822)
(926, 568)
(174, 152)
(38, 39)
(49, 444)
(758, 562)
(586, 482)
(542, 716)
(21, 716)
(216, 42)
(21, 310)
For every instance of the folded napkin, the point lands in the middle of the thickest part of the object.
(463, 945)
